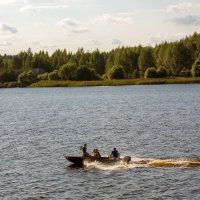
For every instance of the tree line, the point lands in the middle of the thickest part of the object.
(168, 59)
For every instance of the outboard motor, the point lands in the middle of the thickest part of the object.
(127, 159)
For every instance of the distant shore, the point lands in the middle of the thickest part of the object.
(141, 81)
(152, 81)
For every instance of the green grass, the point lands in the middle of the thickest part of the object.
(116, 82)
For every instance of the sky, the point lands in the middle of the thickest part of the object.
(104, 24)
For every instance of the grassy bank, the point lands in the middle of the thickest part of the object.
(115, 82)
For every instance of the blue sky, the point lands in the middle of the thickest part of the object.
(104, 24)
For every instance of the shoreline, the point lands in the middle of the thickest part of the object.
(152, 81)
(122, 82)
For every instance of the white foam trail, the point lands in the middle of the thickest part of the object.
(137, 162)
(107, 167)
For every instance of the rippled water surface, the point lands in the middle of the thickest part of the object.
(158, 126)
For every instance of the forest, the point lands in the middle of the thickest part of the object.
(165, 60)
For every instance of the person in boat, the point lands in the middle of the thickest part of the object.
(96, 153)
(114, 153)
(84, 150)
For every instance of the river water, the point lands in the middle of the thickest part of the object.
(158, 126)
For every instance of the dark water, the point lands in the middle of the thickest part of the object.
(155, 124)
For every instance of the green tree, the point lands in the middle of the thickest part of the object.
(196, 68)
(16, 62)
(84, 73)
(1, 62)
(162, 72)
(110, 61)
(146, 59)
(53, 75)
(28, 60)
(180, 57)
(42, 60)
(97, 60)
(59, 58)
(26, 78)
(7, 75)
(151, 73)
(68, 71)
(136, 73)
(43, 76)
(117, 72)
(192, 43)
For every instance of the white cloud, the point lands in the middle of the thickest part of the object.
(35, 43)
(5, 44)
(93, 43)
(76, 27)
(116, 42)
(125, 17)
(37, 25)
(49, 47)
(81, 30)
(45, 1)
(8, 28)
(159, 38)
(67, 22)
(190, 20)
(182, 7)
(36, 8)
(10, 2)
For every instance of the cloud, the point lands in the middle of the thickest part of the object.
(45, 1)
(93, 43)
(10, 2)
(125, 17)
(184, 7)
(5, 44)
(190, 20)
(67, 22)
(76, 27)
(181, 7)
(8, 28)
(34, 43)
(81, 30)
(159, 38)
(49, 47)
(31, 8)
(37, 25)
(116, 42)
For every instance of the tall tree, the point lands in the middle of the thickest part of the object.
(98, 62)
(59, 58)
(1, 62)
(146, 59)
(42, 60)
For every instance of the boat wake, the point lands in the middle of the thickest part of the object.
(146, 163)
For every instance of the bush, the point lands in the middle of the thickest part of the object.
(117, 72)
(185, 73)
(53, 76)
(150, 73)
(68, 71)
(11, 84)
(85, 73)
(162, 72)
(196, 68)
(43, 76)
(7, 75)
(1, 85)
(136, 74)
(27, 78)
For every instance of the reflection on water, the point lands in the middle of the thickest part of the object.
(158, 126)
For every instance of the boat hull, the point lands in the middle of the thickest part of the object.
(78, 160)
